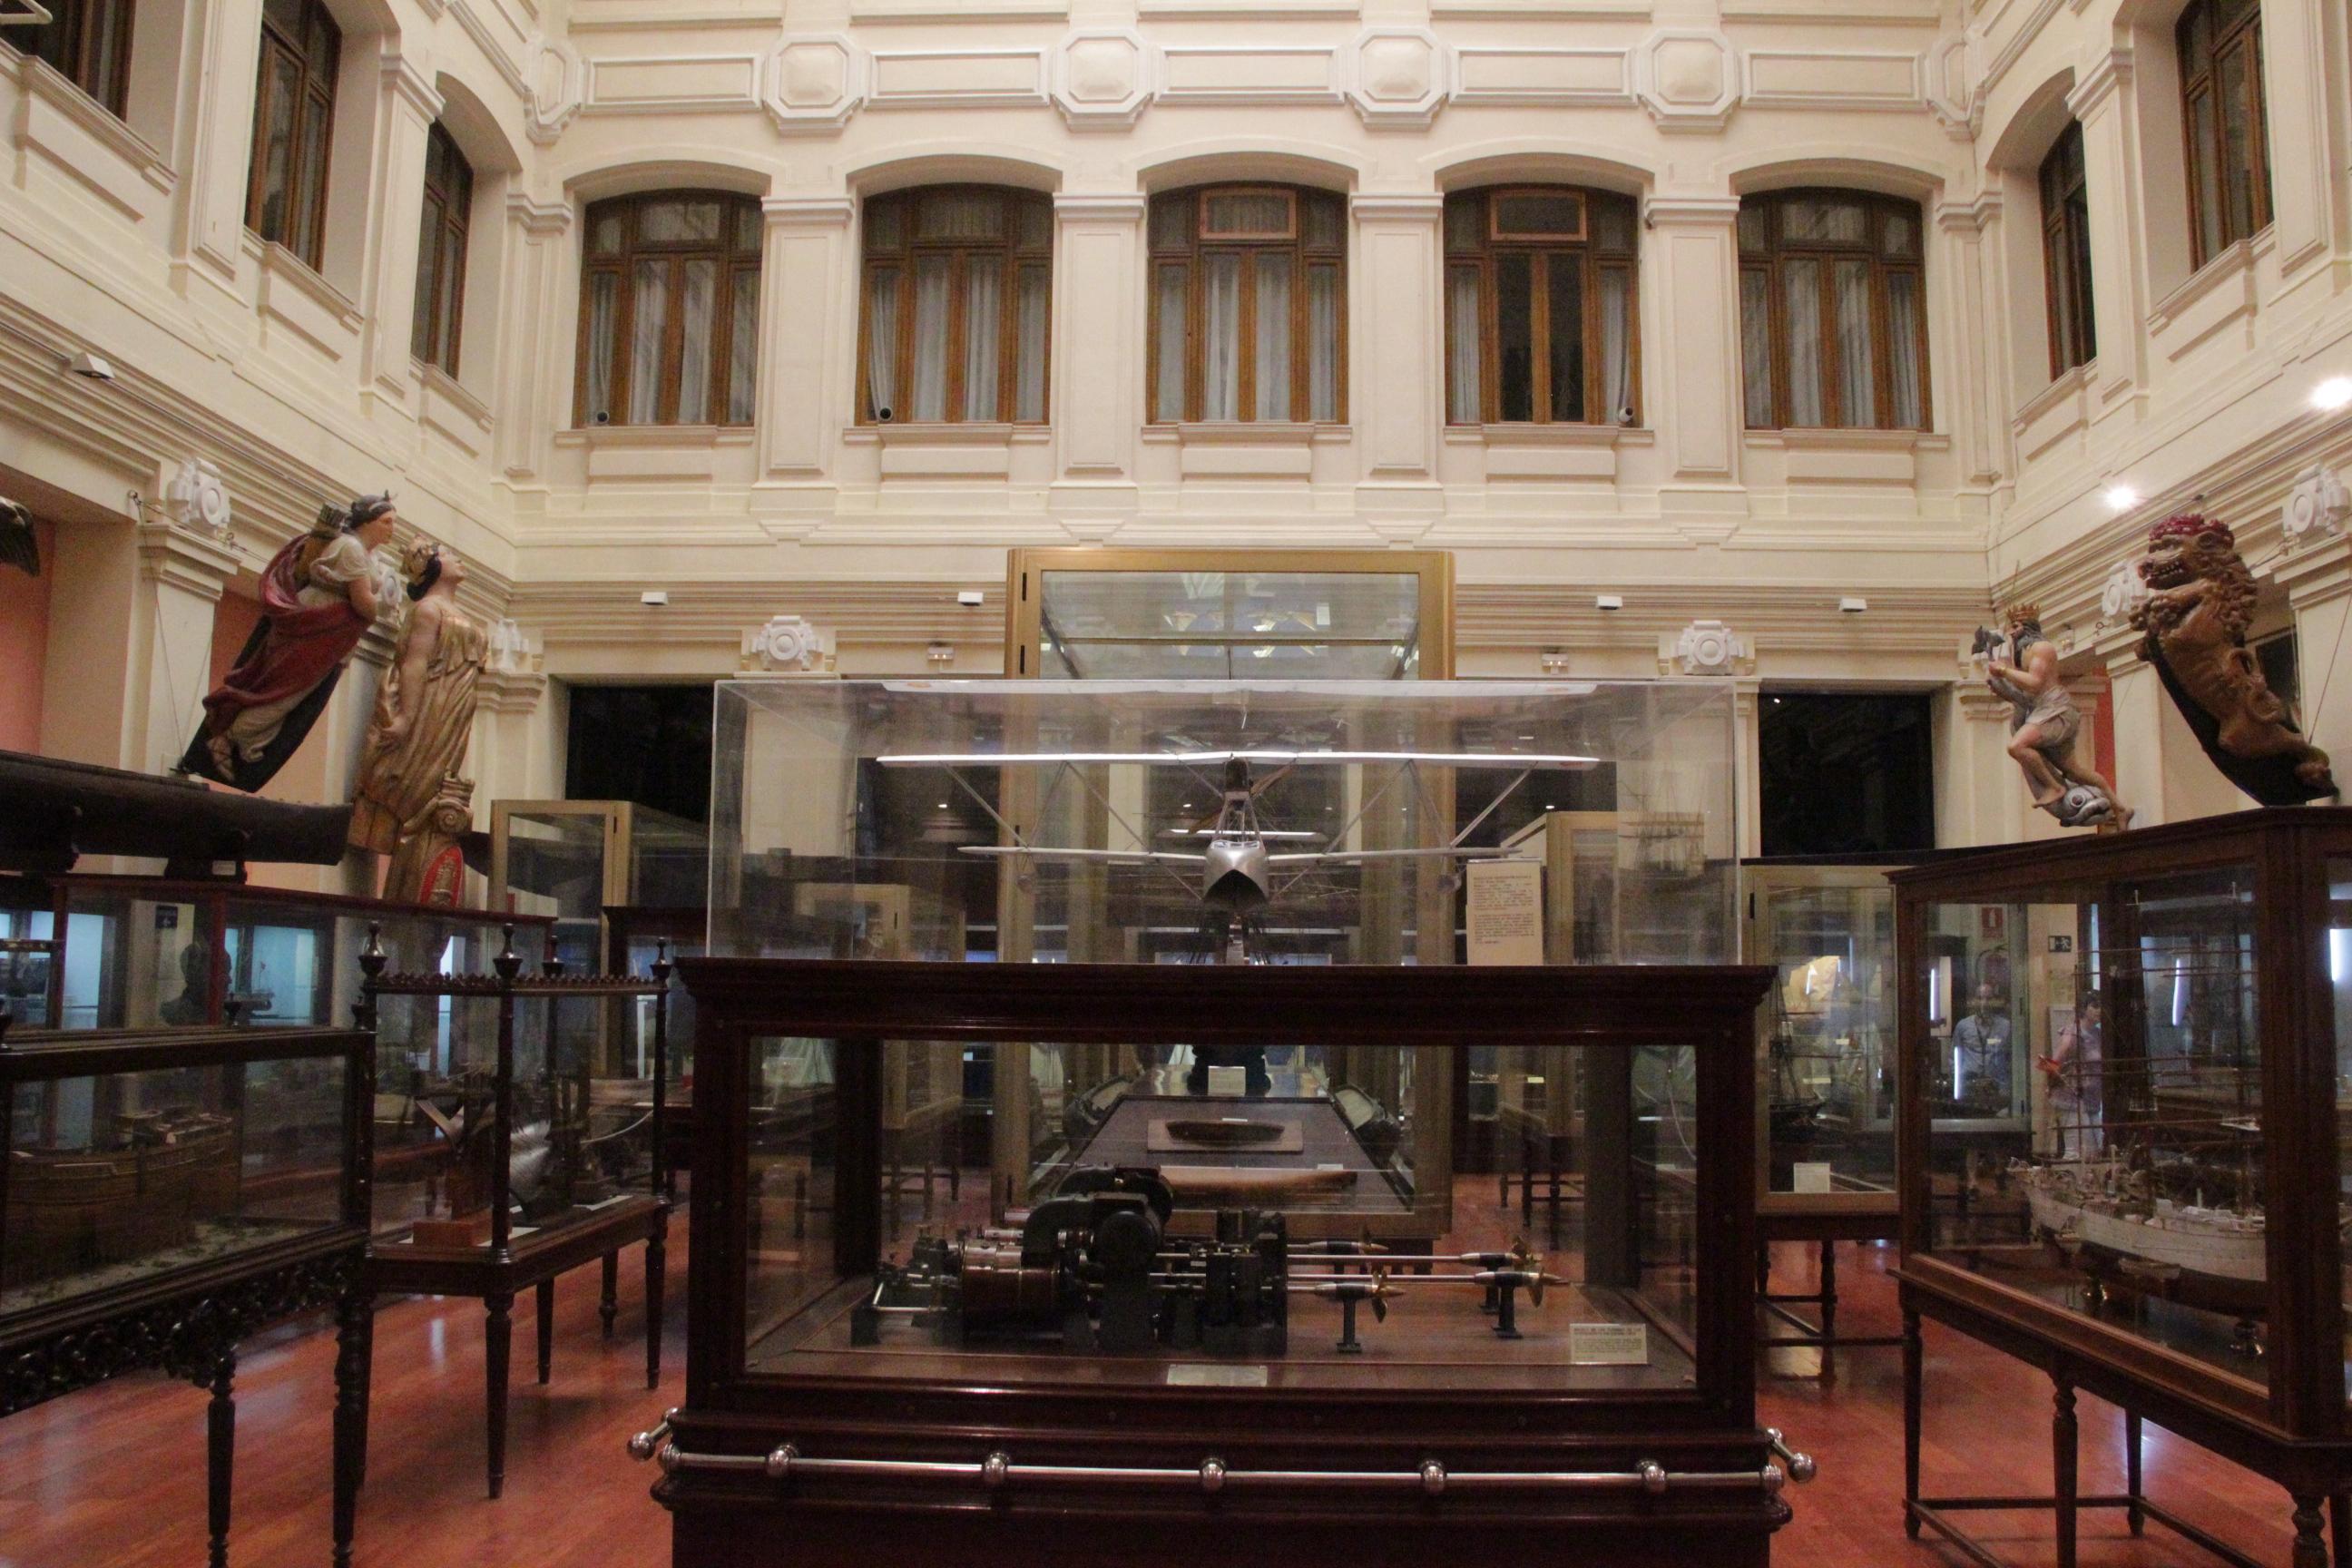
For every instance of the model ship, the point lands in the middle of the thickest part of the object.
(2103, 1205)
(74, 1209)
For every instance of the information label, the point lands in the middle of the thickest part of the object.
(1607, 1344)
(1503, 912)
(1810, 1176)
(1209, 1374)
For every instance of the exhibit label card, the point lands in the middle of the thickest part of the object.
(1810, 1176)
(1209, 1374)
(1503, 913)
(1607, 1344)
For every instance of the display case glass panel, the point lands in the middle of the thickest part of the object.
(1827, 1064)
(1163, 1204)
(136, 959)
(2339, 989)
(27, 966)
(1207, 614)
(573, 859)
(1026, 821)
(2095, 1069)
(116, 1178)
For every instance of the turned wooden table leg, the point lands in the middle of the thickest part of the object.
(354, 1331)
(220, 1454)
(1912, 1357)
(2132, 1479)
(546, 1329)
(1829, 1309)
(2064, 1456)
(656, 1249)
(498, 1337)
(2310, 1539)
(609, 1306)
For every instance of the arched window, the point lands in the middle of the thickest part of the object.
(670, 310)
(2221, 44)
(2066, 253)
(1249, 305)
(1539, 307)
(90, 41)
(955, 328)
(441, 251)
(1832, 312)
(293, 120)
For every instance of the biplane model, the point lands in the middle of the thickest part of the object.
(1240, 869)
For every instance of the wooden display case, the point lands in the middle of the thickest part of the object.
(168, 1193)
(2154, 1215)
(824, 1423)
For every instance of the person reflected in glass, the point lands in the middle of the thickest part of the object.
(1981, 1052)
(2071, 1070)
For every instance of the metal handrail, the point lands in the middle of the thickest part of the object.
(998, 1471)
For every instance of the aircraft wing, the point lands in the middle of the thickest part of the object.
(1348, 856)
(1108, 857)
(1540, 762)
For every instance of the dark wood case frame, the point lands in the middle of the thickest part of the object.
(733, 1519)
(2295, 1431)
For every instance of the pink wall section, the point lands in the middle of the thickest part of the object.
(24, 645)
(234, 618)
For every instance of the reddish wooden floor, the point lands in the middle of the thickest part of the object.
(115, 1476)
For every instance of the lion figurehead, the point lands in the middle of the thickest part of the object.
(2187, 545)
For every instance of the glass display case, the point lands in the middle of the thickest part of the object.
(1306, 822)
(1220, 614)
(1206, 1264)
(542, 1151)
(567, 860)
(167, 1192)
(2122, 1141)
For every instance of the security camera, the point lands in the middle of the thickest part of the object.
(88, 364)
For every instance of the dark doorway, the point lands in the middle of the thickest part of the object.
(1845, 772)
(650, 744)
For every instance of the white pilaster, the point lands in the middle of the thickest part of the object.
(809, 279)
(1398, 330)
(1099, 327)
(1690, 282)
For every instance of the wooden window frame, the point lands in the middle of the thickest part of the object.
(1588, 256)
(2202, 47)
(1771, 259)
(2064, 182)
(732, 261)
(442, 239)
(305, 232)
(88, 43)
(1011, 255)
(1194, 250)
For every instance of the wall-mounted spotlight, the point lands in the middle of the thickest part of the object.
(2122, 497)
(2333, 393)
(972, 598)
(90, 365)
(1608, 602)
(656, 597)
(940, 653)
(1853, 607)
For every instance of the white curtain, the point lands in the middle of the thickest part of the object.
(1855, 386)
(930, 389)
(1801, 281)
(744, 348)
(1756, 344)
(604, 294)
(1273, 345)
(1029, 386)
(1167, 373)
(1221, 337)
(1323, 344)
(1616, 346)
(646, 342)
(1903, 349)
(983, 317)
(1461, 382)
(882, 344)
(694, 347)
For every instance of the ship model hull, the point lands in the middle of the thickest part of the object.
(69, 1211)
(2211, 1258)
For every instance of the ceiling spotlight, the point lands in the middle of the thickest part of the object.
(1608, 602)
(1853, 607)
(88, 364)
(2122, 497)
(970, 597)
(654, 596)
(2333, 393)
